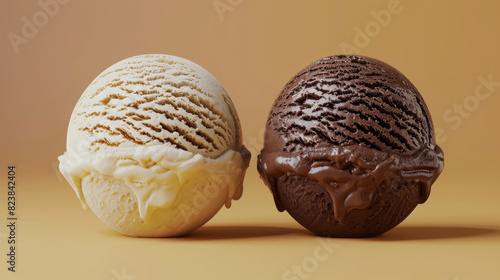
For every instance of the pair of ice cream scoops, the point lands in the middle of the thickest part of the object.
(154, 147)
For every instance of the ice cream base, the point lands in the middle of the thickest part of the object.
(154, 190)
(351, 174)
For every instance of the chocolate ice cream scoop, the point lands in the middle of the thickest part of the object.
(349, 148)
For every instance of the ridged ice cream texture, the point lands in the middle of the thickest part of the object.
(156, 126)
(341, 120)
(352, 100)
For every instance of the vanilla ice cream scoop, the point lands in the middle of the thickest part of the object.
(154, 147)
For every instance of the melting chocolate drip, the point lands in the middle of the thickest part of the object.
(351, 174)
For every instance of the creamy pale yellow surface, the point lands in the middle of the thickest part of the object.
(146, 137)
(155, 190)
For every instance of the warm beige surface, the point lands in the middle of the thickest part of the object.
(450, 237)
(448, 49)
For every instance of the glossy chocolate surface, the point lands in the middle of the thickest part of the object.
(352, 125)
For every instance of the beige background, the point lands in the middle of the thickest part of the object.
(253, 48)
